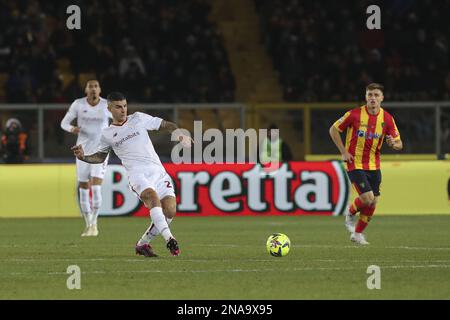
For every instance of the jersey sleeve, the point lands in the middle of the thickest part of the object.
(103, 145)
(149, 122)
(392, 129)
(344, 122)
(71, 114)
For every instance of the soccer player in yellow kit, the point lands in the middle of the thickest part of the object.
(367, 127)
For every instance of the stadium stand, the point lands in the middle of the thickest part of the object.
(171, 51)
(248, 51)
(325, 53)
(319, 58)
(161, 51)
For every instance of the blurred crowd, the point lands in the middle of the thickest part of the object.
(326, 53)
(168, 51)
(154, 51)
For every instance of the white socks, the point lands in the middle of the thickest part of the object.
(96, 202)
(90, 215)
(85, 205)
(151, 233)
(159, 220)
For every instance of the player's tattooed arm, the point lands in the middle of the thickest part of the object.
(180, 135)
(167, 125)
(98, 157)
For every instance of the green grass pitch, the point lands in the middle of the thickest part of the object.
(225, 258)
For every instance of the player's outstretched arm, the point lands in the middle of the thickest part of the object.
(98, 157)
(168, 126)
(185, 140)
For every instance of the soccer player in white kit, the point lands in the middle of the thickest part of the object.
(92, 115)
(128, 137)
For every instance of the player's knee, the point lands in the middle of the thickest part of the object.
(150, 198)
(170, 211)
(96, 181)
(146, 195)
(368, 199)
(374, 202)
(84, 185)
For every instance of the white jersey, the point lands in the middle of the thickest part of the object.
(91, 120)
(131, 143)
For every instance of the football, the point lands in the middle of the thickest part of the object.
(278, 245)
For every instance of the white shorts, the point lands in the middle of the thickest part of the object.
(85, 170)
(154, 178)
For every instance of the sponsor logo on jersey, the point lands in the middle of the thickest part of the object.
(368, 135)
(92, 119)
(128, 137)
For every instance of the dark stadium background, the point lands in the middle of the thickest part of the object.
(259, 51)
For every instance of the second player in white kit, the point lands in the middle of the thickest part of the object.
(128, 137)
(92, 116)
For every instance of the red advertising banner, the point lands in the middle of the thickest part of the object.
(296, 188)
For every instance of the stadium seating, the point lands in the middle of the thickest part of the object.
(186, 119)
(178, 52)
(326, 53)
